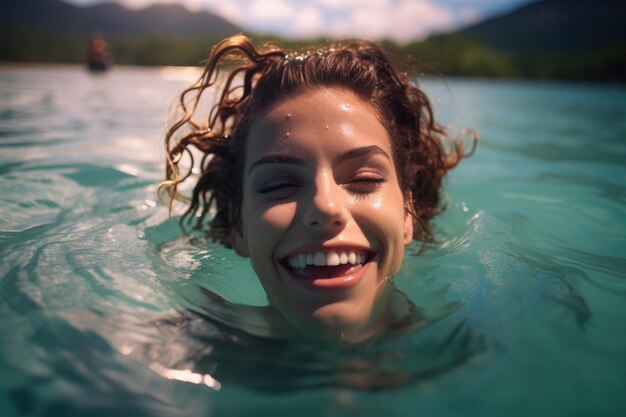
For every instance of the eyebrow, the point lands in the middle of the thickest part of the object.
(277, 158)
(289, 159)
(361, 152)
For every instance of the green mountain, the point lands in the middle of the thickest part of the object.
(555, 26)
(55, 31)
(551, 39)
(112, 19)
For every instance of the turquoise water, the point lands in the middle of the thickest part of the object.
(101, 306)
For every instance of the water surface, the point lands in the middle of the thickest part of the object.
(101, 303)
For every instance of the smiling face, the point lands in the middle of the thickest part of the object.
(322, 216)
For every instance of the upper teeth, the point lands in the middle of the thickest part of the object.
(331, 258)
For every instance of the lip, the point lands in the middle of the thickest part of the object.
(337, 283)
(329, 283)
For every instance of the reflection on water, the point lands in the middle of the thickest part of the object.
(230, 356)
(208, 338)
(106, 306)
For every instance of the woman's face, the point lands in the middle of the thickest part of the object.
(322, 217)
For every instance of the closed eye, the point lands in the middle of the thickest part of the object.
(278, 189)
(365, 184)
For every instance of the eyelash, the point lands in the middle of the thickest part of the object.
(365, 185)
(270, 188)
(360, 186)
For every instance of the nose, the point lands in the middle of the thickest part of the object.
(326, 210)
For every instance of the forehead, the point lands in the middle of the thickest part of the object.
(321, 104)
(327, 117)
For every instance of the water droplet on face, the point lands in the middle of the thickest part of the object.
(288, 115)
(344, 106)
(326, 127)
(287, 134)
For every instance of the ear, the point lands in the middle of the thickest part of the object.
(408, 228)
(238, 242)
(408, 225)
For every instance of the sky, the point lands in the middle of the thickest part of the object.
(400, 20)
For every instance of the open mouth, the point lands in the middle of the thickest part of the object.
(331, 264)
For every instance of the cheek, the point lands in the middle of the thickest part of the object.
(267, 222)
(265, 230)
(277, 217)
(384, 218)
(388, 209)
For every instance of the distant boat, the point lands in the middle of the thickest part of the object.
(99, 56)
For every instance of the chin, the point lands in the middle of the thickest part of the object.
(342, 322)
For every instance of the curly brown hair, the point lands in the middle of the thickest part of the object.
(256, 79)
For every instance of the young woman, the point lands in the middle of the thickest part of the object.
(320, 168)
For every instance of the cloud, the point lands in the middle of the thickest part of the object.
(309, 22)
(271, 10)
(401, 20)
(350, 4)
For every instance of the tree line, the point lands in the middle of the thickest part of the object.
(438, 55)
